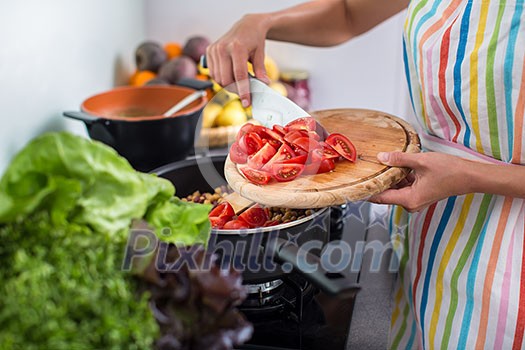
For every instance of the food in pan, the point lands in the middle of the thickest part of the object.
(285, 153)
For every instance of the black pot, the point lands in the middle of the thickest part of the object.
(268, 253)
(130, 120)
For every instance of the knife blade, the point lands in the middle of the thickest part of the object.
(268, 106)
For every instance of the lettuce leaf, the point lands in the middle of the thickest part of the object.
(86, 182)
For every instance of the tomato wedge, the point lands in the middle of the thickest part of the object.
(250, 143)
(256, 176)
(254, 216)
(217, 222)
(271, 223)
(306, 143)
(257, 160)
(279, 129)
(342, 145)
(284, 172)
(223, 209)
(305, 123)
(328, 151)
(283, 153)
(237, 155)
(235, 225)
(294, 134)
(296, 160)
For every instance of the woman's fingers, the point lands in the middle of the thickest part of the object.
(400, 159)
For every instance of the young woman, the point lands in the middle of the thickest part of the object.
(462, 274)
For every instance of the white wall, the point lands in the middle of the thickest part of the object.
(366, 72)
(53, 55)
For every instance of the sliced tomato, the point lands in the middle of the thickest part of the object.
(237, 155)
(313, 135)
(250, 142)
(257, 160)
(329, 151)
(323, 166)
(235, 225)
(217, 222)
(342, 145)
(306, 143)
(305, 123)
(283, 172)
(254, 216)
(223, 209)
(296, 160)
(271, 223)
(294, 134)
(246, 128)
(256, 176)
(279, 129)
(283, 153)
(299, 151)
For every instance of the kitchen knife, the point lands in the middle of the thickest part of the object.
(268, 106)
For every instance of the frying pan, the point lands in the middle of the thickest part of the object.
(269, 253)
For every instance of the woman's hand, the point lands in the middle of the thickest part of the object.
(434, 176)
(227, 58)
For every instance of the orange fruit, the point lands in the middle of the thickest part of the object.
(141, 77)
(173, 49)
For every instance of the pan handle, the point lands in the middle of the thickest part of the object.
(338, 284)
(86, 118)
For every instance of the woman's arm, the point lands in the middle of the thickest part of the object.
(315, 23)
(438, 176)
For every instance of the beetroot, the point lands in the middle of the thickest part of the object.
(195, 47)
(150, 56)
(178, 68)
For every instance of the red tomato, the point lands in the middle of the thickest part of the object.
(254, 216)
(294, 134)
(271, 223)
(323, 166)
(279, 129)
(235, 225)
(237, 155)
(306, 123)
(283, 153)
(342, 145)
(250, 143)
(328, 151)
(306, 143)
(274, 135)
(223, 209)
(257, 160)
(283, 172)
(246, 128)
(256, 176)
(217, 222)
(296, 160)
(313, 135)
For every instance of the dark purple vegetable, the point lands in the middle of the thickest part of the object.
(195, 308)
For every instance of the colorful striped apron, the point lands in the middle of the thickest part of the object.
(461, 281)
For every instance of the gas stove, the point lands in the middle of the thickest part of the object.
(291, 314)
(295, 315)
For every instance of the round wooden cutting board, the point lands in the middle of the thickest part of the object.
(371, 132)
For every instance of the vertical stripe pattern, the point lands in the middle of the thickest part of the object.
(462, 260)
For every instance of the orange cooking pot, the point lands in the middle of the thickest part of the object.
(130, 120)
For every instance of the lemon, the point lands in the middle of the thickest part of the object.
(209, 114)
(232, 114)
(271, 68)
(279, 87)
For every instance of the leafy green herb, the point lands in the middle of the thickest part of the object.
(66, 205)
